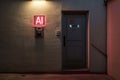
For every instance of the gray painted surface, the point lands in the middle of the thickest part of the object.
(97, 24)
(21, 52)
(74, 29)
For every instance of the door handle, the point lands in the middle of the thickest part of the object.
(64, 42)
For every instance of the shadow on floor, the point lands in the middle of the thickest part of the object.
(54, 77)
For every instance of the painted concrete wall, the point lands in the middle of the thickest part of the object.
(113, 45)
(97, 25)
(20, 51)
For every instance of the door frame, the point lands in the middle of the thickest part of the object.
(67, 12)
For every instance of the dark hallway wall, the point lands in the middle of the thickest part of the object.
(113, 46)
(97, 30)
(20, 51)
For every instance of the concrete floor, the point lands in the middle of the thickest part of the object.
(54, 77)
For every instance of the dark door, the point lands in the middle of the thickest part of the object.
(74, 29)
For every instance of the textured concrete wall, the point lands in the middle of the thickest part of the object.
(97, 26)
(113, 40)
(20, 51)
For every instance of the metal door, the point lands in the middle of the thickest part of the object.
(74, 29)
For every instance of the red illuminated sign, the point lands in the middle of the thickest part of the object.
(39, 21)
